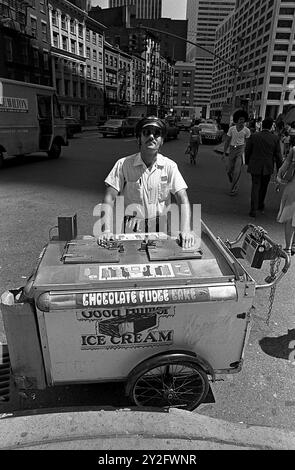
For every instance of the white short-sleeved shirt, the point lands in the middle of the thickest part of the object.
(238, 137)
(148, 189)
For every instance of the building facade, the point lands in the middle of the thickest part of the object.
(263, 37)
(221, 69)
(149, 9)
(183, 91)
(204, 16)
(25, 41)
(77, 48)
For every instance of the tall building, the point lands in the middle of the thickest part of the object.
(263, 46)
(203, 19)
(25, 41)
(77, 48)
(146, 9)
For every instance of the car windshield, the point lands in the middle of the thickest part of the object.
(114, 122)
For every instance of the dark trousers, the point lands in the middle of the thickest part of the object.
(259, 189)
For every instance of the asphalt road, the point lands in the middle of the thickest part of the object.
(33, 192)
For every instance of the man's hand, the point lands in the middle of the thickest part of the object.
(105, 237)
(187, 239)
(279, 179)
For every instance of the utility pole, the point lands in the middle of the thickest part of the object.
(236, 75)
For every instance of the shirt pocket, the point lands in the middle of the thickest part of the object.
(163, 191)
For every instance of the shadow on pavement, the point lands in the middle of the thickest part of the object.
(280, 346)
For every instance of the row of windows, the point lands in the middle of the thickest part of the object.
(73, 26)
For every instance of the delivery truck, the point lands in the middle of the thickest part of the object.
(30, 120)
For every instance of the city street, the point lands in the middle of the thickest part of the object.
(35, 191)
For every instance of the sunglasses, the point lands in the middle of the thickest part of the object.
(152, 130)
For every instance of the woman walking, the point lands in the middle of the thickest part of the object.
(194, 143)
(286, 213)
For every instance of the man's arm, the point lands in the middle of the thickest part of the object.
(188, 237)
(109, 202)
(226, 144)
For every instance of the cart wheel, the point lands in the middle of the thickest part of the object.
(169, 382)
(4, 374)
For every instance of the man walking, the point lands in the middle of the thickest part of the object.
(262, 151)
(236, 141)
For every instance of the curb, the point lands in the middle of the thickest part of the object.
(136, 430)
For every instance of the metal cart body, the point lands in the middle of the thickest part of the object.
(93, 314)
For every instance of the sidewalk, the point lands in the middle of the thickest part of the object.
(136, 430)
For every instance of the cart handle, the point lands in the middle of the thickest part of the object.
(281, 252)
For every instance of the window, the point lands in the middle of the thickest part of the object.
(72, 26)
(87, 35)
(44, 31)
(81, 48)
(274, 95)
(93, 37)
(73, 46)
(64, 43)
(80, 30)
(54, 17)
(34, 26)
(55, 40)
(281, 47)
(95, 56)
(63, 21)
(8, 49)
(45, 60)
(88, 71)
(95, 73)
(36, 57)
(285, 24)
(42, 6)
(88, 52)
(276, 80)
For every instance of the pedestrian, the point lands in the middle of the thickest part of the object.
(258, 124)
(292, 134)
(285, 139)
(263, 150)
(194, 142)
(286, 213)
(146, 180)
(236, 141)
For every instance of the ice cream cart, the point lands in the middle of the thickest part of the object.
(138, 309)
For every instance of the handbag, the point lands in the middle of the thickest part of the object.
(288, 175)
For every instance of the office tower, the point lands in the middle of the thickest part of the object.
(263, 46)
(145, 9)
(203, 19)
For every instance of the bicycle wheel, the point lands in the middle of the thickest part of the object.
(172, 382)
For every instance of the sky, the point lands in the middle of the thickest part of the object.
(175, 9)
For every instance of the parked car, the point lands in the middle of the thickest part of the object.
(172, 129)
(132, 122)
(117, 127)
(73, 126)
(210, 132)
(184, 124)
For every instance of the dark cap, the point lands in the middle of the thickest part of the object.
(150, 121)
